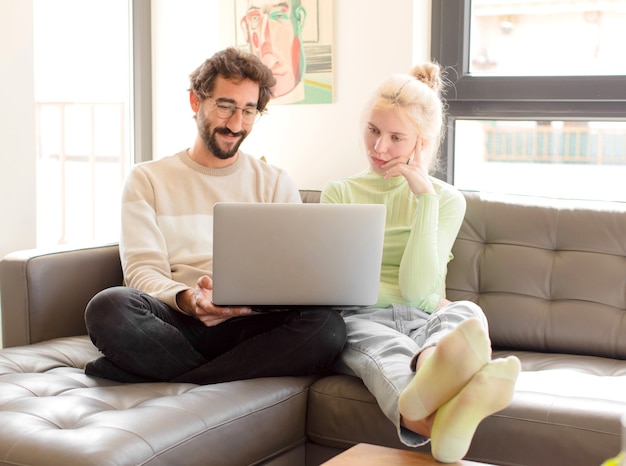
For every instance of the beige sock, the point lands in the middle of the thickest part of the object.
(457, 357)
(456, 421)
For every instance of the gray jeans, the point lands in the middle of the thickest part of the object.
(383, 344)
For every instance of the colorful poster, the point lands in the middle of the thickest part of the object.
(294, 39)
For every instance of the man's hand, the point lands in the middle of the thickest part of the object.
(199, 303)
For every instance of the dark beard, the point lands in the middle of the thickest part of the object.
(208, 137)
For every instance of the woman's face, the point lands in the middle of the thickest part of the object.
(388, 135)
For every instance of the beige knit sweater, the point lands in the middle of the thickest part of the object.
(167, 217)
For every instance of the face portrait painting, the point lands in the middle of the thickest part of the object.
(273, 31)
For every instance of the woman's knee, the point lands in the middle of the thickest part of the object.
(476, 312)
(463, 310)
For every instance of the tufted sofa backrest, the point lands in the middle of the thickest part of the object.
(310, 195)
(550, 275)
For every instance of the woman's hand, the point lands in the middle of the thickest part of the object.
(199, 304)
(413, 169)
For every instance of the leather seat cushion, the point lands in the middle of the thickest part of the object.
(52, 413)
(560, 400)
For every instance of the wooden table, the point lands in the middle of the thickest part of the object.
(365, 454)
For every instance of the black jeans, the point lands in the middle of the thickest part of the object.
(144, 339)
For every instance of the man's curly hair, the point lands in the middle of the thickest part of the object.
(232, 63)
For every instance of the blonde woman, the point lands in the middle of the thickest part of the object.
(426, 360)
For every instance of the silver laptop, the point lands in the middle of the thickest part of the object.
(294, 255)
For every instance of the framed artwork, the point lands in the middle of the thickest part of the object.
(294, 39)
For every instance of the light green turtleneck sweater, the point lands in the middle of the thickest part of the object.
(419, 234)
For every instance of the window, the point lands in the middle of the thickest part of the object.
(555, 38)
(537, 101)
(82, 107)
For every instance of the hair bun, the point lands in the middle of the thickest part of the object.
(429, 74)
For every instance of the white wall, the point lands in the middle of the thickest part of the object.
(17, 127)
(314, 143)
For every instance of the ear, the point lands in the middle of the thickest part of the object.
(194, 102)
(300, 15)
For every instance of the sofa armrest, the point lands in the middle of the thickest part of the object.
(44, 293)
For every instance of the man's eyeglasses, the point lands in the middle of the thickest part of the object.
(225, 110)
(254, 17)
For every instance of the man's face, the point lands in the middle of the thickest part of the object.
(223, 136)
(209, 135)
(273, 31)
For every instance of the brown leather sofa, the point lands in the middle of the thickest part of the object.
(550, 276)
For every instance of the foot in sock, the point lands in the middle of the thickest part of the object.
(103, 367)
(489, 391)
(457, 357)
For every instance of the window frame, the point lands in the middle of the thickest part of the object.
(141, 69)
(566, 98)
